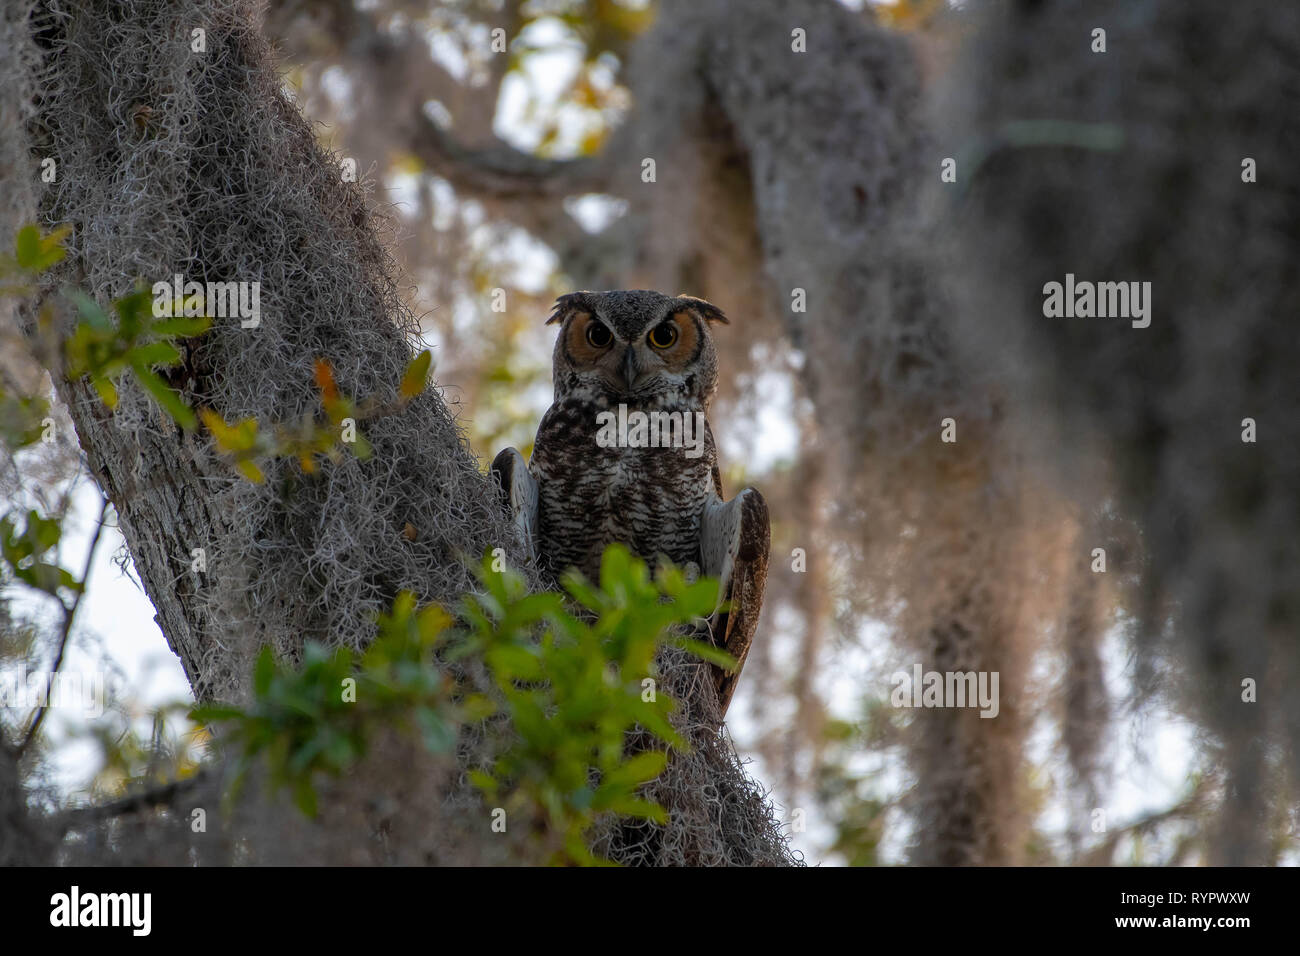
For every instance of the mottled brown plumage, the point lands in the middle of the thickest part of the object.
(620, 355)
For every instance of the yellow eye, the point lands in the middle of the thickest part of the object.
(598, 337)
(663, 336)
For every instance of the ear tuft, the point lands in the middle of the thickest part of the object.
(707, 310)
(567, 304)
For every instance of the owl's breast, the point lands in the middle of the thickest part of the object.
(594, 492)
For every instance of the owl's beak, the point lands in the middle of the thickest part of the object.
(631, 368)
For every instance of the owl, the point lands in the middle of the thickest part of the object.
(625, 454)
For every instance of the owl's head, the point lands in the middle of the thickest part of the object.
(637, 347)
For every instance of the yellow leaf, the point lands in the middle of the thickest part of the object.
(417, 373)
(106, 391)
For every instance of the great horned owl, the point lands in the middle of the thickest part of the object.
(634, 372)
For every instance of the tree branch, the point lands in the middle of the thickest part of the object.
(69, 615)
(503, 172)
(158, 796)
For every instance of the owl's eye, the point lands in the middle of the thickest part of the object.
(598, 337)
(663, 336)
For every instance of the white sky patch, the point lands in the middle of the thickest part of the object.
(445, 49)
(770, 435)
(604, 71)
(402, 190)
(1149, 750)
(1153, 772)
(546, 74)
(337, 85)
(531, 262)
(431, 336)
(437, 113)
(114, 634)
(849, 672)
(595, 212)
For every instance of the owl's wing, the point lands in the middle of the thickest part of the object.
(519, 495)
(735, 537)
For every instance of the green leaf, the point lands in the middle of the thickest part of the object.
(107, 391)
(483, 781)
(37, 253)
(250, 471)
(658, 725)
(477, 707)
(89, 309)
(302, 759)
(707, 652)
(417, 374)
(44, 532)
(215, 713)
(263, 672)
(28, 246)
(170, 401)
(638, 769)
(304, 796)
(181, 327)
(230, 438)
(639, 809)
(513, 662)
(340, 751)
(135, 309)
(154, 353)
(361, 448)
(582, 591)
(439, 736)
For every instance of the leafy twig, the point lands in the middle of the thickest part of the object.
(158, 796)
(69, 615)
